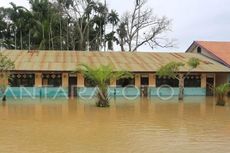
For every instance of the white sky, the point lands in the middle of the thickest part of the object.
(192, 19)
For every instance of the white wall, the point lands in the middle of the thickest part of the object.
(206, 53)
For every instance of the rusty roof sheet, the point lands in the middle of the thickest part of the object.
(134, 62)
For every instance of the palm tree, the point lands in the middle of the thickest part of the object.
(16, 14)
(5, 65)
(113, 18)
(221, 92)
(101, 77)
(122, 34)
(110, 38)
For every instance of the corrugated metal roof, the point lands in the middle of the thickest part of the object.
(134, 62)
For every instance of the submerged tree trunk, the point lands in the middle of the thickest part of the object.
(103, 100)
(220, 100)
(3, 92)
(102, 103)
(181, 87)
(4, 97)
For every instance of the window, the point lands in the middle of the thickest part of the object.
(54, 80)
(126, 82)
(198, 50)
(166, 81)
(192, 81)
(26, 80)
(89, 83)
(144, 80)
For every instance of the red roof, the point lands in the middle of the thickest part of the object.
(219, 49)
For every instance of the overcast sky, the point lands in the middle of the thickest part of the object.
(192, 19)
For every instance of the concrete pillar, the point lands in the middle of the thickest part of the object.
(38, 79)
(203, 80)
(4, 79)
(137, 80)
(7, 81)
(80, 80)
(214, 85)
(113, 83)
(65, 80)
(152, 80)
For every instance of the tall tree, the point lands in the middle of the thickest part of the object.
(89, 18)
(172, 70)
(110, 39)
(113, 18)
(17, 16)
(79, 25)
(3, 28)
(150, 28)
(79, 12)
(122, 35)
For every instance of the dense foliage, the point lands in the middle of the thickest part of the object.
(6, 65)
(101, 77)
(63, 25)
(221, 92)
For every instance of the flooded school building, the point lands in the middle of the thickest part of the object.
(53, 73)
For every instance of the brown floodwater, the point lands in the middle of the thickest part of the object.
(137, 126)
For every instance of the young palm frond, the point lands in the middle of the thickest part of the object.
(221, 91)
(101, 76)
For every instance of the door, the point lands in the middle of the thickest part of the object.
(210, 87)
(144, 85)
(72, 86)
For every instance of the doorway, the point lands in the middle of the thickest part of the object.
(210, 87)
(72, 86)
(144, 85)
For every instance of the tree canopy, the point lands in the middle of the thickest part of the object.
(74, 25)
(172, 70)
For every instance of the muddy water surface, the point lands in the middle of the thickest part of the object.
(138, 126)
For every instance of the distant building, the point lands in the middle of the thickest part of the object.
(42, 73)
(218, 51)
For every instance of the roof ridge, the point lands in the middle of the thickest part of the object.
(207, 41)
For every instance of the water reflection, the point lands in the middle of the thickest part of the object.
(142, 125)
